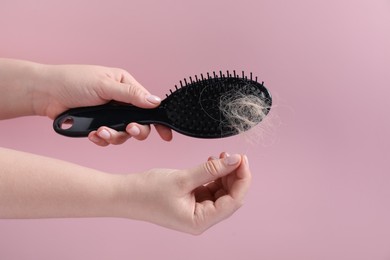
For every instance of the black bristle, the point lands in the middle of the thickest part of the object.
(176, 87)
(181, 83)
(215, 76)
(185, 82)
(228, 74)
(243, 75)
(220, 73)
(251, 75)
(201, 75)
(171, 91)
(191, 80)
(196, 78)
(234, 73)
(256, 78)
(208, 75)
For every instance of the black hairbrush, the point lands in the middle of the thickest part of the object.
(194, 109)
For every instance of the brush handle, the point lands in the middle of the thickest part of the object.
(81, 121)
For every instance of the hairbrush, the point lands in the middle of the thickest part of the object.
(211, 106)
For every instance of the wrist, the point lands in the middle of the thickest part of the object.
(40, 86)
(18, 87)
(125, 194)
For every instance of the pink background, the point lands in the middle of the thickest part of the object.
(321, 186)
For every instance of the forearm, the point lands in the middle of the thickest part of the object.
(38, 187)
(18, 84)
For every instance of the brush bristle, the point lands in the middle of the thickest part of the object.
(197, 108)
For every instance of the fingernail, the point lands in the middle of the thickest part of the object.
(232, 159)
(94, 138)
(153, 99)
(104, 134)
(134, 131)
(246, 160)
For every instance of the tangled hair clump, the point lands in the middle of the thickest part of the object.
(242, 112)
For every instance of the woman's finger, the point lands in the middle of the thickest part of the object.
(164, 132)
(139, 132)
(112, 136)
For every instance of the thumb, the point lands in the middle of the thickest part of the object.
(130, 92)
(212, 170)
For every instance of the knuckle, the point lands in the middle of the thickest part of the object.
(197, 228)
(212, 167)
(144, 133)
(119, 138)
(196, 231)
(124, 75)
(141, 137)
(239, 204)
(133, 90)
(102, 143)
(235, 205)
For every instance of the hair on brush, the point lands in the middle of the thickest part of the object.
(211, 106)
(242, 112)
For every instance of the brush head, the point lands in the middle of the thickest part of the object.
(203, 107)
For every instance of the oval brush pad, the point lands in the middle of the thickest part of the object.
(193, 109)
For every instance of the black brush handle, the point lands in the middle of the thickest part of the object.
(81, 121)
